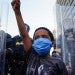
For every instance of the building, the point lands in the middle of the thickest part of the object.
(65, 11)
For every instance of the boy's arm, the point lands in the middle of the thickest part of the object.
(24, 34)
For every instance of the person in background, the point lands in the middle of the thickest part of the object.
(56, 54)
(69, 69)
(38, 51)
(15, 62)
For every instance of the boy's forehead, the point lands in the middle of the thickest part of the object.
(41, 31)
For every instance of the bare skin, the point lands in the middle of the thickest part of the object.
(25, 37)
(41, 34)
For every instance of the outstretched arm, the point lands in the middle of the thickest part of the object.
(24, 34)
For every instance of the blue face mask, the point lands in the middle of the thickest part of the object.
(42, 46)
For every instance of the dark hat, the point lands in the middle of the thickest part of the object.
(27, 27)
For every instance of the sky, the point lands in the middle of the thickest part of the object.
(35, 13)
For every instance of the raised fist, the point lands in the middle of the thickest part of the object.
(16, 5)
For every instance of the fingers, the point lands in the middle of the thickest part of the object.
(15, 4)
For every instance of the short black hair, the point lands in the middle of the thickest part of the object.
(49, 32)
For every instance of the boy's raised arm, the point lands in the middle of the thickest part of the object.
(24, 34)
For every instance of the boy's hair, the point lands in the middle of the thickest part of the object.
(49, 32)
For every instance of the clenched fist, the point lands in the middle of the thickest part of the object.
(16, 6)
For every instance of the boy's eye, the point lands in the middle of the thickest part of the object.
(36, 37)
(43, 36)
